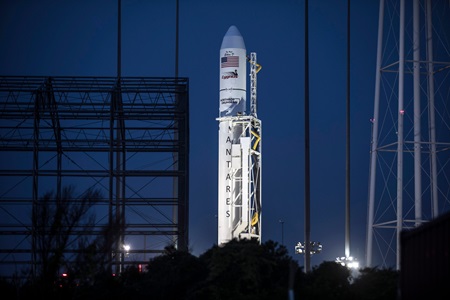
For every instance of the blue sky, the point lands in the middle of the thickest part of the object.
(78, 38)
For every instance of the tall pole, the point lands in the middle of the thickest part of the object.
(347, 147)
(400, 141)
(119, 40)
(119, 205)
(175, 155)
(307, 167)
(417, 114)
(176, 37)
(432, 117)
(374, 146)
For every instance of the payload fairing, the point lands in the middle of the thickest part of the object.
(239, 186)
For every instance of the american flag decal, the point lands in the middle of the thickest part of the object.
(229, 61)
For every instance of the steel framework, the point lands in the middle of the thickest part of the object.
(409, 165)
(127, 138)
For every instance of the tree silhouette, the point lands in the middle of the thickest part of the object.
(245, 270)
(238, 270)
(377, 284)
(59, 222)
(329, 280)
(173, 275)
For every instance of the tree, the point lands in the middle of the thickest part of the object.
(172, 275)
(245, 270)
(61, 225)
(373, 283)
(329, 280)
(8, 289)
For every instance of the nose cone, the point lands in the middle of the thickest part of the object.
(233, 39)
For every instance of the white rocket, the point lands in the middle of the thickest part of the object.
(233, 74)
(239, 186)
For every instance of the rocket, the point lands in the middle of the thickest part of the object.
(239, 180)
(233, 74)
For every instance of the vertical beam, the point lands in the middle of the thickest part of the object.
(123, 169)
(111, 180)
(374, 146)
(431, 112)
(37, 102)
(183, 165)
(253, 84)
(307, 149)
(177, 13)
(50, 101)
(120, 173)
(347, 144)
(178, 241)
(246, 198)
(258, 181)
(119, 38)
(176, 180)
(120, 176)
(400, 142)
(417, 115)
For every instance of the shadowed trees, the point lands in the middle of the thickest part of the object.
(174, 275)
(238, 270)
(65, 242)
(374, 284)
(55, 219)
(245, 270)
(329, 280)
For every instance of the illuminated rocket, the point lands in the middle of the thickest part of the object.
(233, 74)
(239, 178)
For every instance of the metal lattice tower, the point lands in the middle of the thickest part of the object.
(253, 84)
(410, 149)
(119, 137)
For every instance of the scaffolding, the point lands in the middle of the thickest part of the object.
(409, 157)
(127, 139)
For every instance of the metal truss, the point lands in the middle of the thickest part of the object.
(246, 184)
(127, 138)
(409, 175)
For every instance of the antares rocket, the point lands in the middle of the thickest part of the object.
(239, 186)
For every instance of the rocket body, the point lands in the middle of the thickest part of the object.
(233, 75)
(239, 186)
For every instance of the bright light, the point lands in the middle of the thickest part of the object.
(126, 248)
(314, 248)
(349, 262)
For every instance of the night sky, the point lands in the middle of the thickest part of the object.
(79, 38)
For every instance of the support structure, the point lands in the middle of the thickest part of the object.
(117, 136)
(409, 174)
(245, 178)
